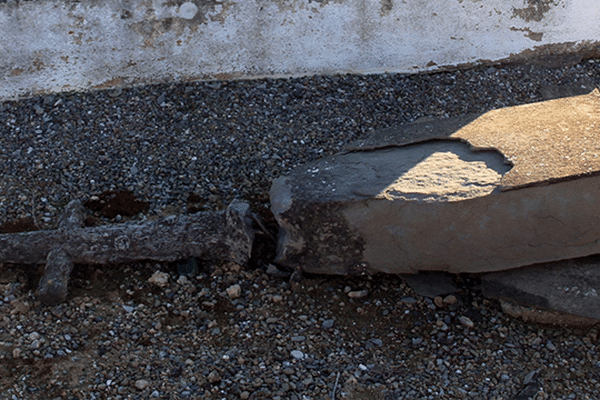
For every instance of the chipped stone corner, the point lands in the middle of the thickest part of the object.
(295, 248)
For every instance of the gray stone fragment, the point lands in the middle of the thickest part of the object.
(273, 271)
(566, 287)
(328, 323)
(430, 284)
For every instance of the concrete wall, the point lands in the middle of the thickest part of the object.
(56, 45)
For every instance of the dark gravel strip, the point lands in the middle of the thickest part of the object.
(221, 140)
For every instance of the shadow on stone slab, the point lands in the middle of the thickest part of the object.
(430, 284)
(558, 293)
(545, 141)
(550, 92)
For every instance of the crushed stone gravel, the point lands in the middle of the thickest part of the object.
(157, 331)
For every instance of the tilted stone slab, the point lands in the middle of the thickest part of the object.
(570, 287)
(512, 187)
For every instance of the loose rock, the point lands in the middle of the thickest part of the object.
(358, 294)
(571, 288)
(159, 278)
(234, 291)
(466, 321)
(141, 384)
(214, 377)
(450, 300)
(328, 324)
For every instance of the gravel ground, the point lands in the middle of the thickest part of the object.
(233, 332)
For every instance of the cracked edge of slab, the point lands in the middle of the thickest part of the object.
(545, 142)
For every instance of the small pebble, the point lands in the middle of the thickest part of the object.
(159, 278)
(450, 299)
(214, 377)
(234, 291)
(357, 294)
(297, 354)
(328, 324)
(141, 384)
(466, 321)
(277, 298)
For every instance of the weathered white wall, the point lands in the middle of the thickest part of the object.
(56, 45)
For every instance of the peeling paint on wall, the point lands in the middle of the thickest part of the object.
(55, 45)
(535, 10)
(536, 36)
(386, 7)
(177, 17)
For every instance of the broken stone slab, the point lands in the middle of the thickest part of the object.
(222, 235)
(512, 187)
(569, 290)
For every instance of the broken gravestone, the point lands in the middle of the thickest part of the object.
(512, 187)
(218, 235)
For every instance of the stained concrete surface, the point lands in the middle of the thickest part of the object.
(59, 45)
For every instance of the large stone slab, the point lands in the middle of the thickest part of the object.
(570, 288)
(512, 187)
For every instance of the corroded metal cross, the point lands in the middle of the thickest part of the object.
(217, 235)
